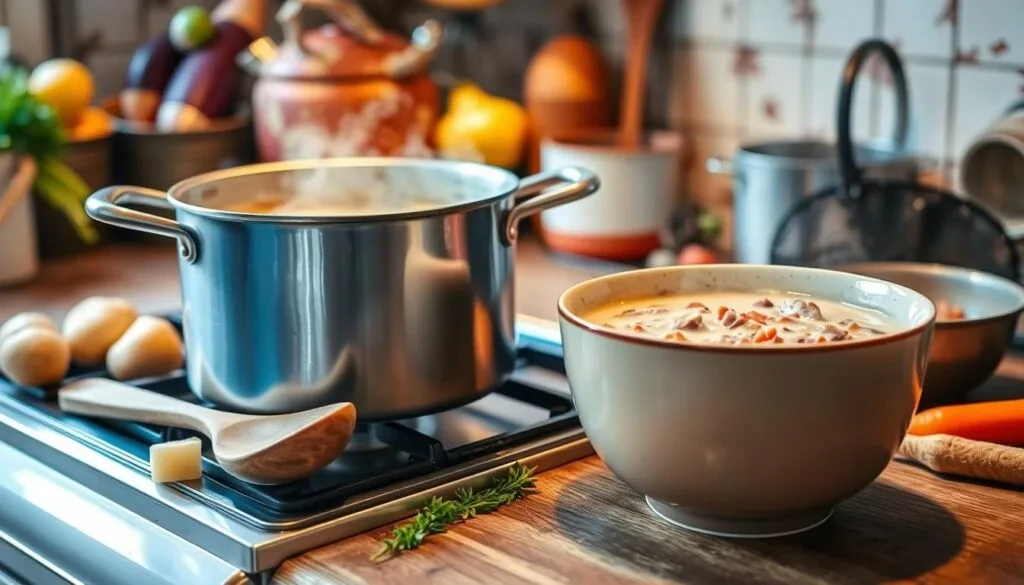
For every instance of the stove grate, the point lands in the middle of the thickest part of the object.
(514, 414)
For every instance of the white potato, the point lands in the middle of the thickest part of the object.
(94, 324)
(35, 356)
(24, 321)
(150, 347)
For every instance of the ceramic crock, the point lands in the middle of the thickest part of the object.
(346, 88)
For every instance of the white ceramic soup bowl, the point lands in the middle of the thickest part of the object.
(746, 440)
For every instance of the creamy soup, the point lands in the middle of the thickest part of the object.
(323, 207)
(741, 318)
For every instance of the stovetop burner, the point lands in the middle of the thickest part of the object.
(382, 454)
(387, 472)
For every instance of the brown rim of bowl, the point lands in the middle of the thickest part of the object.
(933, 268)
(589, 327)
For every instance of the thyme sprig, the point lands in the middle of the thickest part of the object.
(439, 514)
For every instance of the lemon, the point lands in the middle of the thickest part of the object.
(465, 96)
(65, 85)
(493, 128)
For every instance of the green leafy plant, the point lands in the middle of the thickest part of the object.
(439, 514)
(29, 127)
(709, 227)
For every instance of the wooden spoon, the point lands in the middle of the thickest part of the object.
(265, 450)
(640, 19)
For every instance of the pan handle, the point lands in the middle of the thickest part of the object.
(544, 191)
(850, 174)
(106, 205)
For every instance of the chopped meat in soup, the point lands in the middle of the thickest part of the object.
(741, 318)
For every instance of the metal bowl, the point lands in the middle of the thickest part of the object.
(965, 352)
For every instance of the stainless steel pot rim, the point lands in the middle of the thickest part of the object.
(504, 182)
(871, 269)
(815, 153)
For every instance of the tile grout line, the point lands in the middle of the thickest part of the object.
(875, 97)
(949, 157)
(826, 51)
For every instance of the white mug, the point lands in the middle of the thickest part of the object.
(624, 218)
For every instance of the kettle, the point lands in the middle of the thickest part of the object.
(347, 88)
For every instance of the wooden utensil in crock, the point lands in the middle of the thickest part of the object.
(640, 18)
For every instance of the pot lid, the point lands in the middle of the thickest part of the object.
(350, 46)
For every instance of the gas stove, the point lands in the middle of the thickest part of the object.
(77, 504)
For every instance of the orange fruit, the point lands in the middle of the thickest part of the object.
(92, 124)
(65, 85)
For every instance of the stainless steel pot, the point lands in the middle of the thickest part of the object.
(400, 300)
(770, 178)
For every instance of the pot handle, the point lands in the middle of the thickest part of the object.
(106, 205)
(544, 191)
(850, 174)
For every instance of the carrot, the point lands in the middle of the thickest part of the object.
(765, 334)
(1000, 421)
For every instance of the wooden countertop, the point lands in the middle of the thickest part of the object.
(586, 526)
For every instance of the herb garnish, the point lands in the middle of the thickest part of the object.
(438, 514)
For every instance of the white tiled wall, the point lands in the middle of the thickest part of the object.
(798, 49)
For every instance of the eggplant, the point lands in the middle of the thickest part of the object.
(205, 85)
(149, 72)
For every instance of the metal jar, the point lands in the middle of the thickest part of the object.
(770, 178)
(400, 300)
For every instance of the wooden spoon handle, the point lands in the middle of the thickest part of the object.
(109, 399)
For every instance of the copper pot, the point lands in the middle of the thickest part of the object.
(347, 88)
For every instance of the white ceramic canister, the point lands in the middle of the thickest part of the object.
(639, 188)
(992, 169)
(19, 256)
